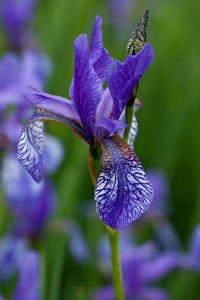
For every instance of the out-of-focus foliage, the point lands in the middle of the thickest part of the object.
(168, 129)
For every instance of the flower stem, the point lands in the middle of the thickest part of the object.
(116, 265)
(94, 165)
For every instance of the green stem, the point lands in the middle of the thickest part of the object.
(116, 265)
(94, 164)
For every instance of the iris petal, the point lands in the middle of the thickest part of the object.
(96, 41)
(111, 127)
(105, 106)
(46, 115)
(125, 77)
(87, 85)
(31, 142)
(30, 149)
(57, 104)
(123, 191)
(99, 57)
(103, 65)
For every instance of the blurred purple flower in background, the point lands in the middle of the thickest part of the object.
(157, 214)
(141, 266)
(16, 16)
(123, 191)
(195, 248)
(160, 206)
(78, 246)
(16, 74)
(30, 202)
(28, 285)
(11, 249)
(16, 258)
(120, 11)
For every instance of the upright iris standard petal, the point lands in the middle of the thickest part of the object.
(99, 57)
(96, 41)
(105, 106)
(123, 191)
(87, 85)
(125, 77)
(30, 149)
(103, 65)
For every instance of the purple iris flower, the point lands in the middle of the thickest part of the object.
(16, 15)
(142, 266)
(123, 191)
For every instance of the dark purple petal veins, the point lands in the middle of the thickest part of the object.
(46, 115)
(96, 41)
(103, 65)
(125, 77)
(123, 191)
(30, 149)
(87, 85)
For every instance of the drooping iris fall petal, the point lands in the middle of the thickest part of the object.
(31, 142)
(123, 191)
(30, 149)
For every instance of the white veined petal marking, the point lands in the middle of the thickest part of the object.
(123, 191)
(133, 132)
(134, 126)
(30, 149)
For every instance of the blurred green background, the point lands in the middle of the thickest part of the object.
(169, 124)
